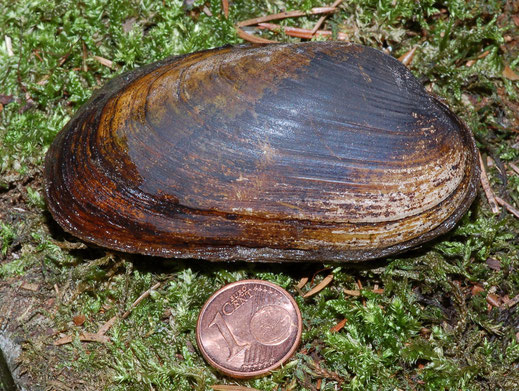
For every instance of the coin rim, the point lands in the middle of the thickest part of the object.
(264, 371)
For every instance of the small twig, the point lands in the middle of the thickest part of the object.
(302, 282)
(104, 328)
(339, 326)
(484, 54)
(225, 387)
(63, 59)
(351, 292)
(486, 187)
(514, 168)
(225, 6)
(325, 374)
(139, 299)
(359, 284)
(508, 207)
(355, 292)
(85, 337)
(100, 335)
(501, 171)
(300, 33)
(512, 302)
(252, 38)
(104, 61)
(285, 15)
(9, 46)
(37, 54)
(319, 287)
(323, 18)
(318, 272)
(85, 55)
(318, 24)
(469, 63)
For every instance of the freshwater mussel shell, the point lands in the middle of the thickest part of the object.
(318, 151)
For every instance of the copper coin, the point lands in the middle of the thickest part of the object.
(249, 328)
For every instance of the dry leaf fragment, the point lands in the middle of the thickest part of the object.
(6, 99)
(352, 292)
(284, 15)
(407, 58)
(128, 24)
(512, 302)
(85, 337)
(486, 187)
(339, 326)
(91, 337)
(225, 6)
(139, 299)
(484, 54)
(493, 300)
(63, 59)
(323, 18)
(302, 282)
(207, 11)
(510, 74)
(493, 264)
(104, 328)
(469, 63)
(508, 207)
(319, 287)
(79, 319)
(29, 286)
(476, 289)
(104, 61)
(301, 33)
(225, 387)
(43, 80)
(252, 38)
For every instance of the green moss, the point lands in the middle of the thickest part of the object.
(7, 234)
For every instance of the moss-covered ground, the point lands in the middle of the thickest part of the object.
(432, 319)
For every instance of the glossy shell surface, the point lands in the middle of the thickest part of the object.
(320, 151)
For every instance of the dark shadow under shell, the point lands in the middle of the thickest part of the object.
(320, 151)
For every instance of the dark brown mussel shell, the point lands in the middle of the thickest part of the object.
(319, 151)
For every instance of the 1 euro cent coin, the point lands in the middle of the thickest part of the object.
(249, 328)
